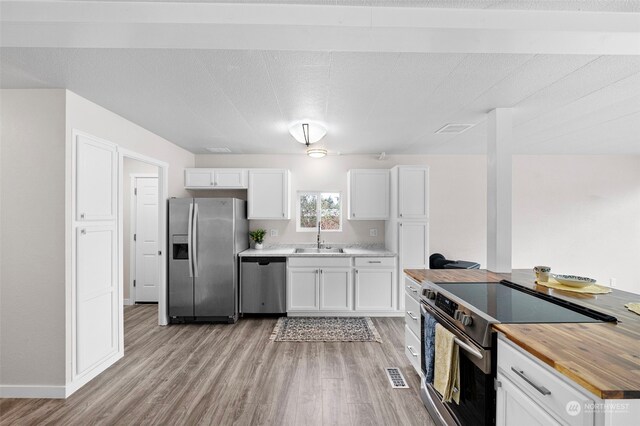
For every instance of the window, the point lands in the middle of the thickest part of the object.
(324, 205)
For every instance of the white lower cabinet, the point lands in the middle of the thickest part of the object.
(303, 290)
(341, 285)
(375, 289)
(531, 393)
(514, 407)
(335, 289)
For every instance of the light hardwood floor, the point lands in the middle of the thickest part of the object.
(232, 374)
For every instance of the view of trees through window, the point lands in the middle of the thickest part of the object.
(325, 205)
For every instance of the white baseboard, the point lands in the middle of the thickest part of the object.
(347, 314)
(32, 391)
(89, 375)
(56, 392)
(127, 302)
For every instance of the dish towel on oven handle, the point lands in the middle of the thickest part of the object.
(446, 374)
(429, 344)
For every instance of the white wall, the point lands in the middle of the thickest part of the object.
(91, 118)
(457, 201)
(580, 215)
(131, 166)
(32, 280)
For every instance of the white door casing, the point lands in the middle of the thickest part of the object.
(145, 228)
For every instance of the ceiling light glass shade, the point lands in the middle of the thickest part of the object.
(316, 131)
(316, 152)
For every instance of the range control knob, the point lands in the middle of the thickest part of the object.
(430, 294)
(465, 319)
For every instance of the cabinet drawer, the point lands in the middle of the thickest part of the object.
(412, 313)
(412, 288)
(412, 348)
(375, 261)
(319, 262)
(535, 380)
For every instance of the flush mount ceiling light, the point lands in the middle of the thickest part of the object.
(307, 131)
(316, 152)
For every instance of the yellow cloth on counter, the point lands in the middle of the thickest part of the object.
(590, 289)
(633, 307)
(446, 370)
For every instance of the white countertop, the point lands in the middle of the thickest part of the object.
(291, 252)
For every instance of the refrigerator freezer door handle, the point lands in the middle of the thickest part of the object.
(189, 241)
(195, 240)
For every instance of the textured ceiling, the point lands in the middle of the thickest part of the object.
(573, 5)
(371, 102)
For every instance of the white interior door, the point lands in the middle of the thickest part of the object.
(146, 279)
(97, 316)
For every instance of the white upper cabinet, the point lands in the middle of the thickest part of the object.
(230, 178)
(413, 192)
(202, 178)
(268, 196)
(368, 194)
(96, 179)
(410, 192)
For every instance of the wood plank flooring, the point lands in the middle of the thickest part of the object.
(210, 374)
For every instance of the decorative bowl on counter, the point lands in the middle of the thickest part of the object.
(573, 280)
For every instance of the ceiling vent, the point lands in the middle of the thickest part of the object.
(219, 150)
(455, 128)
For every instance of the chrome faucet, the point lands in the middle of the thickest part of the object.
(319, 245)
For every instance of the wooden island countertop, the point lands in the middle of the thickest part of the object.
(604, 358)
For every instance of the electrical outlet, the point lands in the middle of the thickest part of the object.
(373, 232)
(274, 232)
(612, 282)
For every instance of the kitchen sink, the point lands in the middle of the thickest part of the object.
(319, 251)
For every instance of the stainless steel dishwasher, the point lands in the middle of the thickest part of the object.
(263, 285)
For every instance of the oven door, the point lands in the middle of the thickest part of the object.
(477, 395)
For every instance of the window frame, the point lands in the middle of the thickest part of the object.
(318, 210)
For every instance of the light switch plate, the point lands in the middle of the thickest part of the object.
(274, 232)
(373, 232)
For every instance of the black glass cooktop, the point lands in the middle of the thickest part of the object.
(510, 303)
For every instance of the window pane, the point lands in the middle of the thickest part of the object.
(308, 210)
(330, 205)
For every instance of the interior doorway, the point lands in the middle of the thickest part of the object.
(142, 197)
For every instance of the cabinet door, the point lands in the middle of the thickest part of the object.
(514, 407)
(414, 244)
(198, 178)
(375, 289)
(230, 178)
(369, 194)
(335, 289)
(302, 289)
(96, 295)
(413, 193)
(96, 179)
(268, 194)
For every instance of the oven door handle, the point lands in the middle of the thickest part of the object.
(461, 344)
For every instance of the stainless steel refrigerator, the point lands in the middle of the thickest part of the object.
(205, 237)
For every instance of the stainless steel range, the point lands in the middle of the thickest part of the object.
(468, 310)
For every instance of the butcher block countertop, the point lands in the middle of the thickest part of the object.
(603, 358)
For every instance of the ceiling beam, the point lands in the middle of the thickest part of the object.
(96, 24)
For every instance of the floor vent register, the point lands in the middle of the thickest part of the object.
(396, 378)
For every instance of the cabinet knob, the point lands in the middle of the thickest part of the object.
(83, 232)
(283, 214)
(400, 214)
(81, 215)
